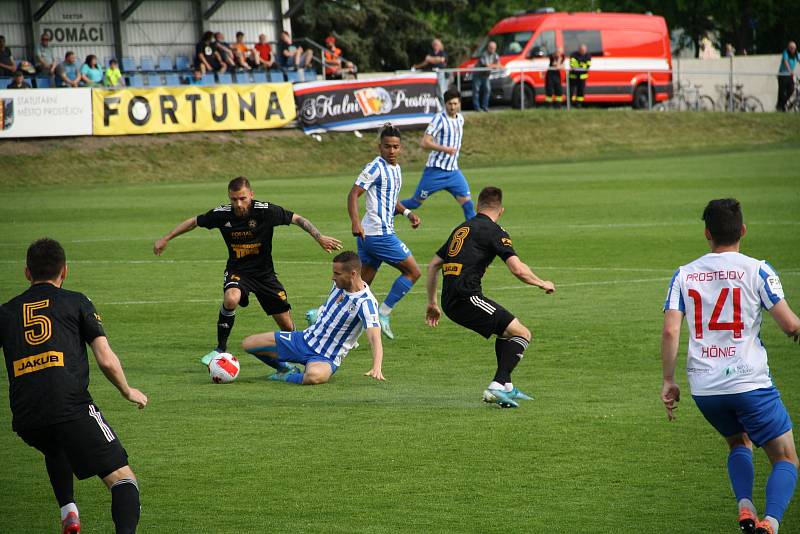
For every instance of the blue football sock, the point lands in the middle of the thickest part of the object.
(411, 203)
(741, 472)
(272, 361)
(399, 289)
(295, 378)
(780, 488)
(469, 209)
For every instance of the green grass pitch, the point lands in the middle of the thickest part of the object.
(420, 453)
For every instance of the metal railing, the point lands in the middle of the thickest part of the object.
(737, 91)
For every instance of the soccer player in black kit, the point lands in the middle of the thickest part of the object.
(463, 260)
(247, 226)
(43, 334)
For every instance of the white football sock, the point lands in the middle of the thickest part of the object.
(508, 386)
(67, 508)
(496, 385)
(384, 309)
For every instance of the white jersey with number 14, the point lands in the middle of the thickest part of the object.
(721, 296)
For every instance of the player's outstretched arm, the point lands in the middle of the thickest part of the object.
(670, 337)
(182, 228)
(432, 312)
(524, 273)
(399, 209)
(374, 338)
(352, 210)
(787, 320)
(428, 143)
(329, 244)
(112, 368)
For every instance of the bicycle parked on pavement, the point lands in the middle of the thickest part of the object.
(737, 100)
(793, 103)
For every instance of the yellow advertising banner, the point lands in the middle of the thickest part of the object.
(192, 108)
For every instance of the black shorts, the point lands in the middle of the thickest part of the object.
(479, 314)
(267, 288)
(89, 443)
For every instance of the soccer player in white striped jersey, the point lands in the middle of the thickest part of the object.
(443, 138)
(381, 180)
(721, 294)
(349, 310)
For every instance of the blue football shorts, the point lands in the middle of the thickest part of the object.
(760, 413)
(376, 249)
(292, 347)
(435, 179)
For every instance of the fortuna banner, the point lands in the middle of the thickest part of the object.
(192, 108)
(363, 104)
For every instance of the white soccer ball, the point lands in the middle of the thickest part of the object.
(223, 368)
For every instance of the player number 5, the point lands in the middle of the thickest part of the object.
(736, 326)
(36, 322)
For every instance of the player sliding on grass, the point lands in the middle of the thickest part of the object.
(377, 243)
(350, 309)
(722, 294)
(463, 259)
(246, 226)
(443, 138)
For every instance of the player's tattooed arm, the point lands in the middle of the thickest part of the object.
(328, 243)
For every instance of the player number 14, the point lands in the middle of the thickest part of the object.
(736, 326)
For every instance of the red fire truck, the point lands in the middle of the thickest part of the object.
(630, 52)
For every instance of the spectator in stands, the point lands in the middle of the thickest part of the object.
(482, 85)
(244, 54)
(291, 56)
(265, 52)
(113, 77)
(335, 65)
(206, 55)
(786, 75)
(44, 57)
(18, 82)
(437, 59)
(9, 65)
(226, 52)
(197, 77)
(68, 73)
(91, 72)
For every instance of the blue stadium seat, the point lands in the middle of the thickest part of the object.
(128, 65)
(309, 75)
(152, 79)
(182, 63)
(135, 80)
(171, 78)
(208, 79)
(147, 64)
(4, 82)
(293, 76)
(259, 76)
(276, 76)
(242, 77)
(164, 63)
(43, 83)
(224, 78)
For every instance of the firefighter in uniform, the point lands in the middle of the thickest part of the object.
(553, 81)
(579, 64)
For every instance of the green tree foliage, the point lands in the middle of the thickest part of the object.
(395, 34)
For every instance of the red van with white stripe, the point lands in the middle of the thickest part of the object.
(626, 48)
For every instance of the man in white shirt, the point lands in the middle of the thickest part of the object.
(722, 294)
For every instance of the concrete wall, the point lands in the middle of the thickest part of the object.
(758, 74)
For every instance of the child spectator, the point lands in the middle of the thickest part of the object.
(196, 78)
(19, 81)
(246, 56)
(291, 56)
(113, 76)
